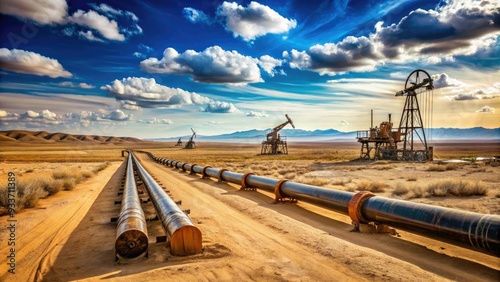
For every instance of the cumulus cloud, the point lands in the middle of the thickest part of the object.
(213, 65)
(146, 93)
(453, 28)
(196, 16)
(257, 114)
(84, 118)
(40, 11)
(107, 28)
(351, 54)
(269, 64)
(253, 21)
(31, 63)
(486, 109)
(478, 94)
(79, 85)
(112, 12)
(220, 107)
(443, 80)
(129, 105)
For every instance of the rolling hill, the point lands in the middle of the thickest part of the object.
(43, 136)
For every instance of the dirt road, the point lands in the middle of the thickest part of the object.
(245, 237)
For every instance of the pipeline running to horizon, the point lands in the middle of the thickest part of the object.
(480, 232)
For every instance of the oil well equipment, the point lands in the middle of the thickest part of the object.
(275, 143)
(382, 143)
(190, 144)
(179, 142)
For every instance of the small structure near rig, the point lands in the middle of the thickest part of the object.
(179, 142)
(190, 144)
(382, 143)
(275, 143)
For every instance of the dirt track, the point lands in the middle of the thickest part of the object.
(245, 237)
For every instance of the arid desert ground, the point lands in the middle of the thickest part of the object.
(67, 235)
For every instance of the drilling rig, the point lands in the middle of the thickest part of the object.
(382, 143)
(275, 143)
(190, 144)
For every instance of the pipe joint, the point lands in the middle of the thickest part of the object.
(191, 169)
(244, 185)
(355, 204)
(219, 175)
(184, 166)
(204, 172)
(280, 196)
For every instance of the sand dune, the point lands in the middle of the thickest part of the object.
(43, 136)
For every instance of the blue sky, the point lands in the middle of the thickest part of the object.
(157, 68)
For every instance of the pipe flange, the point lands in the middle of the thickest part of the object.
(172, 163)
(184, 166)
(355, 204)
(277, 190)
(191, 169)
(244, 185)
(219, 175)
(204, 172)
(168, 162)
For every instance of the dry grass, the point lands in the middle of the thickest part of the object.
(376, 187)
(316, 181)
(442, 188)
(31, 189)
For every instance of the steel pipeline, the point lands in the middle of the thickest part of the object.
(476, 231)
(184, 237)
(131, 232)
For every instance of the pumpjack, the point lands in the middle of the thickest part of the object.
(382, 142)
(179, 142)
(190, 144)
(275, 143)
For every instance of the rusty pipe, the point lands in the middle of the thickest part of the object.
(184, 237)
(131, 232)
(472, 230)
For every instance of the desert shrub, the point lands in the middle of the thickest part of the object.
(372, 186)
(3, 196)
(342, 181)
(436, 168)
(29, 170)
(100, 167)
(65, 174)
(316, 181)
(412, 178)
(52, 186)
(68, 184)
(454, 166)
(416, 191)
(290, 175)
(87, 174)
(461, 188)
(400, 190)
(29, 192)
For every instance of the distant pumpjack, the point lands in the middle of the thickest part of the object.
(275, 143)
(179, 142)
(190, 144)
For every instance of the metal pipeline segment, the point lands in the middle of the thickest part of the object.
(131, 232)
(479, 231)
(184, 237)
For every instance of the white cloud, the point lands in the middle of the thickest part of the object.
(130, 105)
(454, 28)
(220, 107)
(269, 64)
(117, 115)
(486, 109)
(196, 16)
(253, 21)
(89, 35)
(31, 63)
(146, 93)
(213, 65)
(155, 120)
(257, 114)
(40, 11)
(112, 12)
(107, 28)
(443, 80)
(79, 85)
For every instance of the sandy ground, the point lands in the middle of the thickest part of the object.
(245, 237)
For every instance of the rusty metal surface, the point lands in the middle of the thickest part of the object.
(476, 231)
(174, 221)
(131, 232)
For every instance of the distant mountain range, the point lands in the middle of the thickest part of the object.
(43, 136)
(256, 136)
